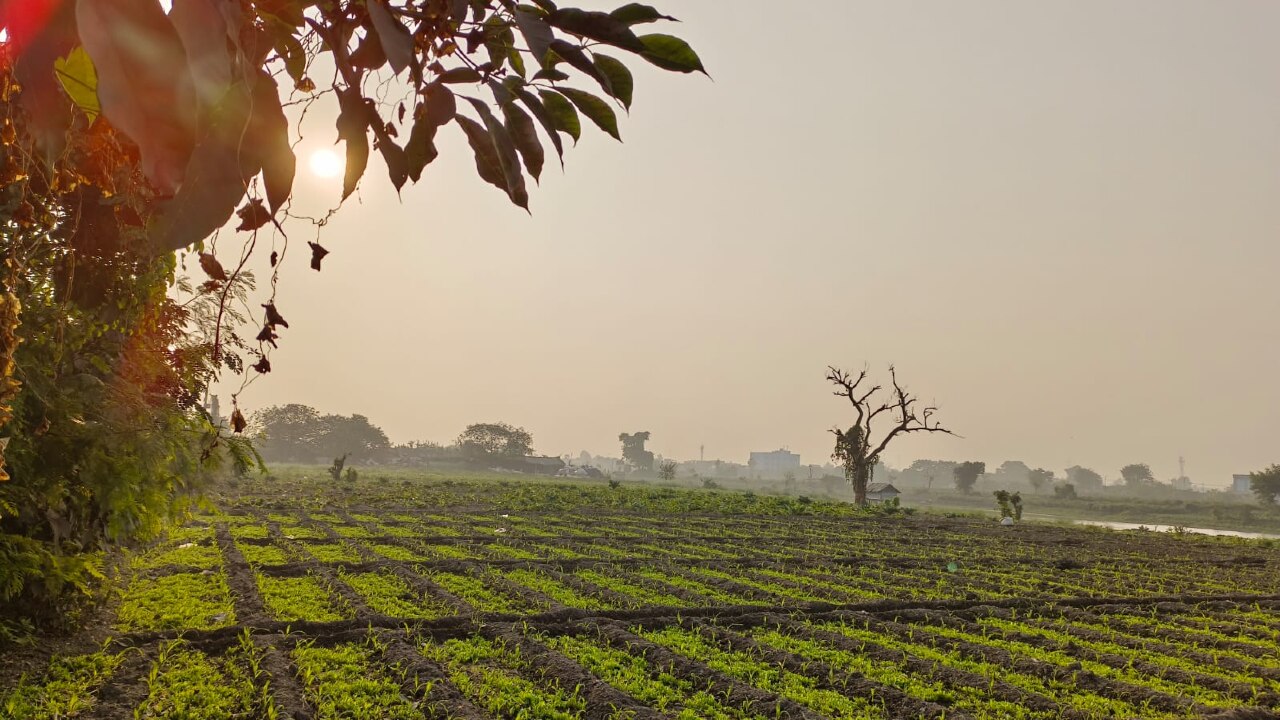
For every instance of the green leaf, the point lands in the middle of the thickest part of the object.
(525, 136)
(574, 55)
(268, 137)
(353, 122)
(550, 74)
(421, 148)
(544, 118)
(563, 117)
(598, 26)
(482, 144)
(670, 53)
(636, 14)
(396, 160)
(397, 43)
(621, 83)
(459, 75)
(80, 80)
(506, 153)
(537, 33)
(594, 108)
(295, 58)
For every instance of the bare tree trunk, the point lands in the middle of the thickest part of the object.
(859, 475)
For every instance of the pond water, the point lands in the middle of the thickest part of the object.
(1167, 528)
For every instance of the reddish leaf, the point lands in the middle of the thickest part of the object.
(143, 83)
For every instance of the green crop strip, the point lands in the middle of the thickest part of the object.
(764, 586)
(388, 594)
(263, 555)
(395, 552)
(491, 675)
(189, 534)
(334, 553)
(643, 596)
(673, 696)
(66, 691)
(302, 532)
(342, 684)
(508, 552)
(1064, 693)
(971, 700)
(297, 598)
(177, 602)
(557, 591)
(184, 683)
(477, 594)
(755, 672)
(453, 552)
(203, 557)
(710, 593)
(353, 531)
(249, 532)
(1205, 695)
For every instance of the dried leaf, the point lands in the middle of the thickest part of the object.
(317, 254)
(212, 267)
(273, 316)
(253, 215)
(238, 423)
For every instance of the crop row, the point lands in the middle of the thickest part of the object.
(1028, 662)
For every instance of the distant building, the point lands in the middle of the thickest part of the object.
(774, 464)
(1241, 484)
(879, 492)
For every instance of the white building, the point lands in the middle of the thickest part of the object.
(1241, 484)
(774, 465)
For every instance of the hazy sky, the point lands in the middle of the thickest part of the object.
(1058, 219)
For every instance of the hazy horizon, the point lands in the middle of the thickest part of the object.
(1059, 221)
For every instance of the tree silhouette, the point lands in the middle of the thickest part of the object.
(855, 447)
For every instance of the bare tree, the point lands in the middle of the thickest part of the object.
(855, 448)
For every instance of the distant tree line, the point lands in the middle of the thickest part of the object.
(297, 433)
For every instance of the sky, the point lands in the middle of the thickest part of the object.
(1057, 219)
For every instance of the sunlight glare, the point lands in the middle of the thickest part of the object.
(325, 163)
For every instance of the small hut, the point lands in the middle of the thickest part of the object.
(880, 492)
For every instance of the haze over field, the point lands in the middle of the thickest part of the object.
(1058, 219)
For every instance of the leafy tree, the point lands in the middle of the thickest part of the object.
(1065, 491)
(288, 433)
(667, 470)
(966, 475)
(633, 451)
(1083, 478)
(299, 433)
(931, 470)
(1013, 471)
(1137, 475)
(1040, 478)
(1004, 503)
(1265, 484)
(130, 133)
(482, 440)
(354, 435)
(856, 449)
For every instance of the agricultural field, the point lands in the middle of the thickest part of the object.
(450, 599)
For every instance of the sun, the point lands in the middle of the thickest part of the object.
(325, 163)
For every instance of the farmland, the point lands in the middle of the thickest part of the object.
(472, 599)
